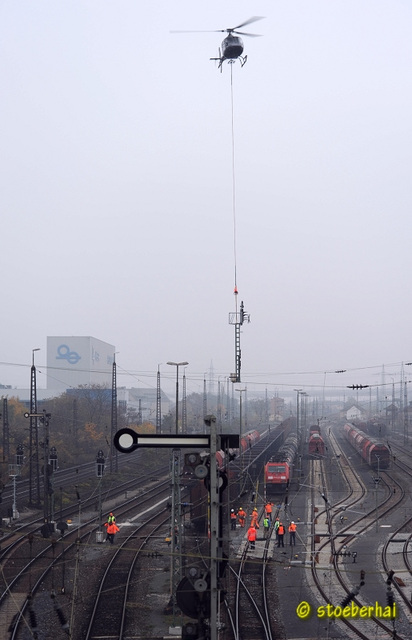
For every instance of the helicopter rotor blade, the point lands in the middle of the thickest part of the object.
(199, 31)
(251, 35)
(252, 19)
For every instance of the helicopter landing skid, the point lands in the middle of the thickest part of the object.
(242, 60)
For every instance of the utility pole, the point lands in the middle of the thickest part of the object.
(44, 418)
(6, 434)
(204, 397)
(219, 407)
(158, 403)
(215, 538)
(34, 439)
(99, 473)
(298, 392)
(47, 469)
(113, 427)
(377, 481)
(184, 404)
(175, 524)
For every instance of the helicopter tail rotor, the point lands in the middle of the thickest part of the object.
(219, 59)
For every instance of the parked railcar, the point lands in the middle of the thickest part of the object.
(372, 450)
(373, 427)
(248, 440)
(316, 445)
(279, 469)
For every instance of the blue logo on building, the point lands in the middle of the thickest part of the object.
(64, 353)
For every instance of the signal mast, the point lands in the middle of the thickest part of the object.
(237, 318)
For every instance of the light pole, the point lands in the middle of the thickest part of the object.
(177, 365)
(175, 525)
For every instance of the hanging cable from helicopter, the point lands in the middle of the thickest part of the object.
(231, 50)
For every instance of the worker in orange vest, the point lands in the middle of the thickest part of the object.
(268, 509)
(254, 519)
(233, 519)
(241, 514)
(292, 533)
(111, 530)
(281, 533)
(251, 536)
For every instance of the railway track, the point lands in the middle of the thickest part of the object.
(112, 613)
(332, 545)
(120, 575)
(31, 564)
(252, 615)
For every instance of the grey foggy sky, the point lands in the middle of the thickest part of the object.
(116, 187)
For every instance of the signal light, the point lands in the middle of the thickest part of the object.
(192, 459)
(190, 631)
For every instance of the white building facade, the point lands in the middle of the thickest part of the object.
(78, 360)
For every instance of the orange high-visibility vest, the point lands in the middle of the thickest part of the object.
(254, 521)
(251, 534)
(112, 528)
(292, 527)
(281, 530)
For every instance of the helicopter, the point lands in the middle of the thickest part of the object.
(232, 46)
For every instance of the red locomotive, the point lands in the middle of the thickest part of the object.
(279, 469)
(372, 450)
